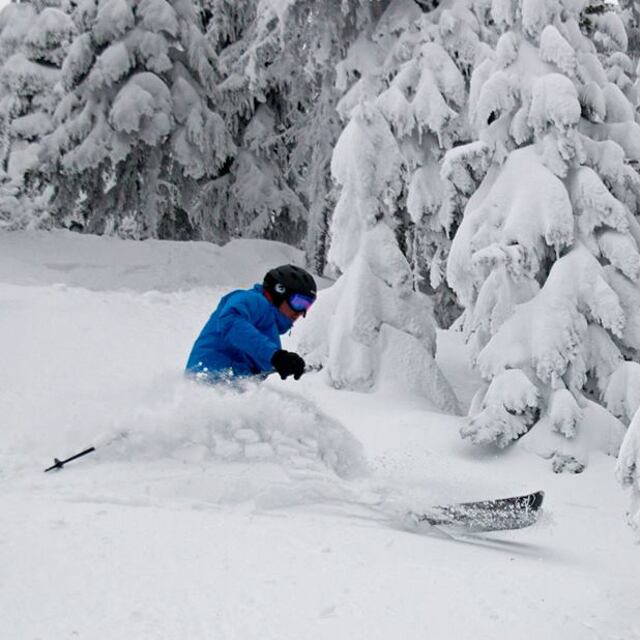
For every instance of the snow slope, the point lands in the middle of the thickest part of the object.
(269, 512)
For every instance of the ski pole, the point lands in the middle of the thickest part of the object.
(58, 464)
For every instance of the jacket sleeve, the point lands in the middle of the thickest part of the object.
(236, 324)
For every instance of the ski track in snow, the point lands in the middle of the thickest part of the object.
(274, 512)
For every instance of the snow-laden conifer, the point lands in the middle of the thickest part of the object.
(403, 98)
(279, 99)
(546, 261)
(34, 38)
(416, 67)
(373, 328)
(138, 124)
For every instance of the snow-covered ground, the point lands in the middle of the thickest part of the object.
(273, 512)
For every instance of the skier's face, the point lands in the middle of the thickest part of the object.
(290, 313)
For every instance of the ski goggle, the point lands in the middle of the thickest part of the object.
(300, 303)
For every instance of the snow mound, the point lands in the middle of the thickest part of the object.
(103, 263)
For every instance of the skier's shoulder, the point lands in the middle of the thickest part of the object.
(253, 300)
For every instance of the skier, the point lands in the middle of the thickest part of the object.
(242, 336)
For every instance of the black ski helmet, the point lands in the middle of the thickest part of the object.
(282, 282)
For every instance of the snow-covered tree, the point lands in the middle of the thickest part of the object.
(546, 261)
(138, 125)
(373, 328)
(416, 68)
(34, 38)
(252, 197)
(279, 100)
(405, 84)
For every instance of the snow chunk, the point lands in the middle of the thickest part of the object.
(95, 146)
(24, 157)
(426, 193)
(621, 60)
(496, 95)
(619, 109)
(153, 48)
(601, 356)
(15, 21)
(536, 14)
(625, 134)
(610, 30)
(114, 19)
(621, 250)
(397, 109)
(564, 413)
(590, 69)
(554, 99)
(449, 79)
(507, 49)
(508, 410)
(79, 60)
(592, 102)
(112, 64)
(143, 106)
(50, 34)
(595, 205)
(85, 14)
(397, 18)
(157, 16)
(520, 129)
(465, 165)
(26, 77)
(364, 58)
(555, 49)
(32, 126)
(622, 395)
(607, 158)
(430, 107)
(503, 13)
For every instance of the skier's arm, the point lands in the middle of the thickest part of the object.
(236, 326)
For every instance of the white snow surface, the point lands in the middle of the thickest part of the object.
(272, 511)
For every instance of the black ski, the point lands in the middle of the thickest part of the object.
(485, 515)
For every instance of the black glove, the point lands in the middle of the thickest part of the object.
(287, 364)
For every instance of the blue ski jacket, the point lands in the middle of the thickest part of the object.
(240, 337)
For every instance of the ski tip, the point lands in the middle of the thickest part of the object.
(516, 512)
(535, 500)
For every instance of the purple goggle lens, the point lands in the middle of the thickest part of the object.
(300, 303)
